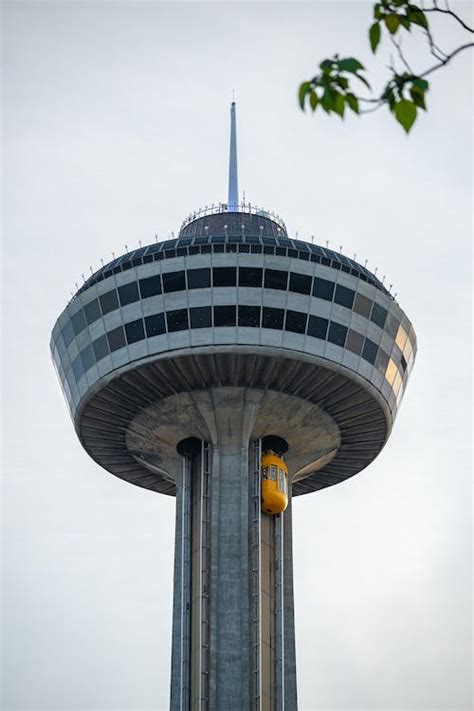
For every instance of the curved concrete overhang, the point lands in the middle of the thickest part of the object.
(342, 421)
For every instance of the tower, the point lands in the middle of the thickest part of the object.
(184, 364)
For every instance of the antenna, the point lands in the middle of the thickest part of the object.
(233, 198)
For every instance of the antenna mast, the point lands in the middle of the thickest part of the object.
(233, 199)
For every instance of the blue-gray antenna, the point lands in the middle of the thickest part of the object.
(233, 200)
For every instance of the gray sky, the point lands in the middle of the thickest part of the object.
(115, 126)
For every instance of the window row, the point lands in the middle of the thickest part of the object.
(226, 277)
(157, 252)
(221, 316)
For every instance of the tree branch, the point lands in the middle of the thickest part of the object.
(453, 14)
(448, 58)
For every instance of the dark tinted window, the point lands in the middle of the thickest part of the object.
(92, 311)
(272, 318)
(150, 286)
(378, 315)
(100, 347)
(249, 316)
(200, 317)
(155, 325)
(323, 288)
(403, 363)
(337, 334)
(87, 356)
(177, 320)
(344, 296)
(77, 367)
(68, 333)
(224, 276)
(354, 342)
(250, 276)
(134, 331)
(224, 315)
(362, 305)
(275, 279)
(318, 327)
(78, 322)
(369, 351)
(173, 281)
(116, 338)
(301, 283)
(128, 293)
(199, 278)
(381, 361)
(392, 325)
(109, 301)
(295, 321)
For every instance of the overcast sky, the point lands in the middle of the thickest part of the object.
(115, 126)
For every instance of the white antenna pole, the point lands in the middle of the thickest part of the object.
(233, 199)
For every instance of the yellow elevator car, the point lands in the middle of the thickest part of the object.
(274, 483)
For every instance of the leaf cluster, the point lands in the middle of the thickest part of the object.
(395, 15)
(405, 94)
(330, 88)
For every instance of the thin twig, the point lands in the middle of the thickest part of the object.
(400, 54)
(447, 59)
(449, 12)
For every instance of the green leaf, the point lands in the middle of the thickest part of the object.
(392, 23)
(305, 87)
(421, 84)
(327, 100)
(342, 82)
(339, 105)
(405, 113)
(353, 102)
(363, 80)
(313, 100)
(418, 97)
(349, 65)
(374, 36)
(417, 16)
(326, 64)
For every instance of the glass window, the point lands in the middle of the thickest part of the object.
(87, 356)
(354, 342)
(101, 348)
(134, 331)
(401, 338)
(177, 320)
(323, 289)
(77, 367)
(381, 361)
(199, 278)
(92, 311)
(403, 364)
(276, 279)
(68, 333)
(369, 351)
(109, 301)
(318, 327)
(274, 472)
(407, 350)
(173, 281)
(300, 283)
(362, 305)
(78, 322)
(201, 317)
(249, 316)
(344, 296)
(224, 315)
(337, 334)
(151, 286)
(116, 338)
(295, 321)
(272, 318)
(128, 293)
(397, 383)
(250, 276)
(155, 325)
(391, 371)
(378, 315)
(224, 276)
(392, 325)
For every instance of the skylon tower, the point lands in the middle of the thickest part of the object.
(234, 368)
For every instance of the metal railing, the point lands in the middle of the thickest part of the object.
(221, 208)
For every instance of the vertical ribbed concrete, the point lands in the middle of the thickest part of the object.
(234, 661)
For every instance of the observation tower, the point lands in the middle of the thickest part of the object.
(233, 368)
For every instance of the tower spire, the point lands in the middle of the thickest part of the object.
(233, 199)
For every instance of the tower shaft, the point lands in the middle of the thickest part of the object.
(233, 198)
(233, 628)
